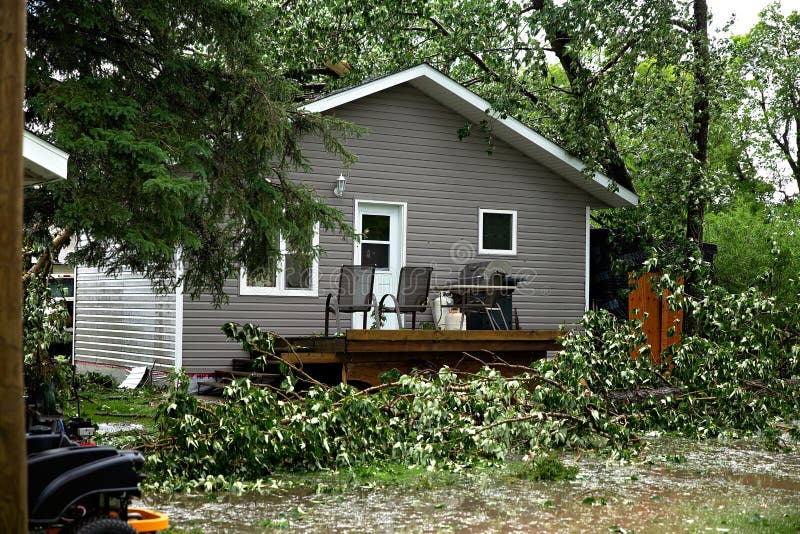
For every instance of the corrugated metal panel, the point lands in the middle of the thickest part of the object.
(412, 154)
(120, 320)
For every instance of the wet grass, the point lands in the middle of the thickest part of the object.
(748, 521)
(542, 467)
(102, 402)
(122, 415)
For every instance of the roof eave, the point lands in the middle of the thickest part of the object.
(43, 161)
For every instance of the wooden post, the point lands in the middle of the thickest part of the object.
(13, 467)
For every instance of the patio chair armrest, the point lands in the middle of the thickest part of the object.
(332, 305)
(387, 295)
(396, 309)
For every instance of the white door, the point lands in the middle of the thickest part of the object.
(381, 226)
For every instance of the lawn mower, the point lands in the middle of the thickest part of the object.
(77, 487)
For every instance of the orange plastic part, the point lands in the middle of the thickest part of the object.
(147, 520)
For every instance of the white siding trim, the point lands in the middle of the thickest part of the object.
(74, 314)
(109, 343)
(109, 329)
(179, 315)
(588, 252)
(152, 358)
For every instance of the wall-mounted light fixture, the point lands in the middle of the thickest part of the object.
(341, 181)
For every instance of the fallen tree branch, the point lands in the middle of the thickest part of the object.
(127, 415)
(643, 394)
(45, 258)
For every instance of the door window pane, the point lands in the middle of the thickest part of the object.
(376, 254)
(497, 231)
(375, 227)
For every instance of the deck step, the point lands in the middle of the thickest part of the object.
(224, 378)
(212, 385)
(242, 364)
(252, 375)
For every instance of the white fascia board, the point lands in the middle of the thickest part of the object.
(360, 91)
(43, 161)
(452, 94)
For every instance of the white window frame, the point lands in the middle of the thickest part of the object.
(498, 252)
(280, 289)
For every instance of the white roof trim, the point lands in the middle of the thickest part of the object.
(457, 97)
(366, 89)
(43, 161)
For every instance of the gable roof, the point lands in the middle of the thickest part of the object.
(455, 96)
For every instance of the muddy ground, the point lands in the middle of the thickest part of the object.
(680, 486)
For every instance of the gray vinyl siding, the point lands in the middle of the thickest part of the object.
(412, 154)
(120, 321)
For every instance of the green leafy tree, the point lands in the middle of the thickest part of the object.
(759, 246)
(44, 323)
(182, 128)
(767, 62)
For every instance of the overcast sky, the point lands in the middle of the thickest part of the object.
(746, 12)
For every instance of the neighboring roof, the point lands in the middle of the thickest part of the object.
(455, 96)
(43, 161)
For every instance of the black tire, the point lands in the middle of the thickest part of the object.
(105, 525)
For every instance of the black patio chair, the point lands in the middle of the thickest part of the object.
(494, 313)
(355, 293)
(412, 294)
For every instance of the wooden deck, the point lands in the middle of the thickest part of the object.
(363, 355)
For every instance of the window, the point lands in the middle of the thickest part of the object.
(497, 232)
(294, 276)
(375, 240)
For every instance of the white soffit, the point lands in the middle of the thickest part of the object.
(43, 161)
(463, 101)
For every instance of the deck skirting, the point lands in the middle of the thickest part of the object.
(364, 355)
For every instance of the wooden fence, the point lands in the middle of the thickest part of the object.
(645, 304)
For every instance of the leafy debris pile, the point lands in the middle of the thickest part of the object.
(739, 376)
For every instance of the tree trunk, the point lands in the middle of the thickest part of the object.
(13, 468)
(696, 197)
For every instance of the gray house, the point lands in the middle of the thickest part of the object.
(418, 195)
